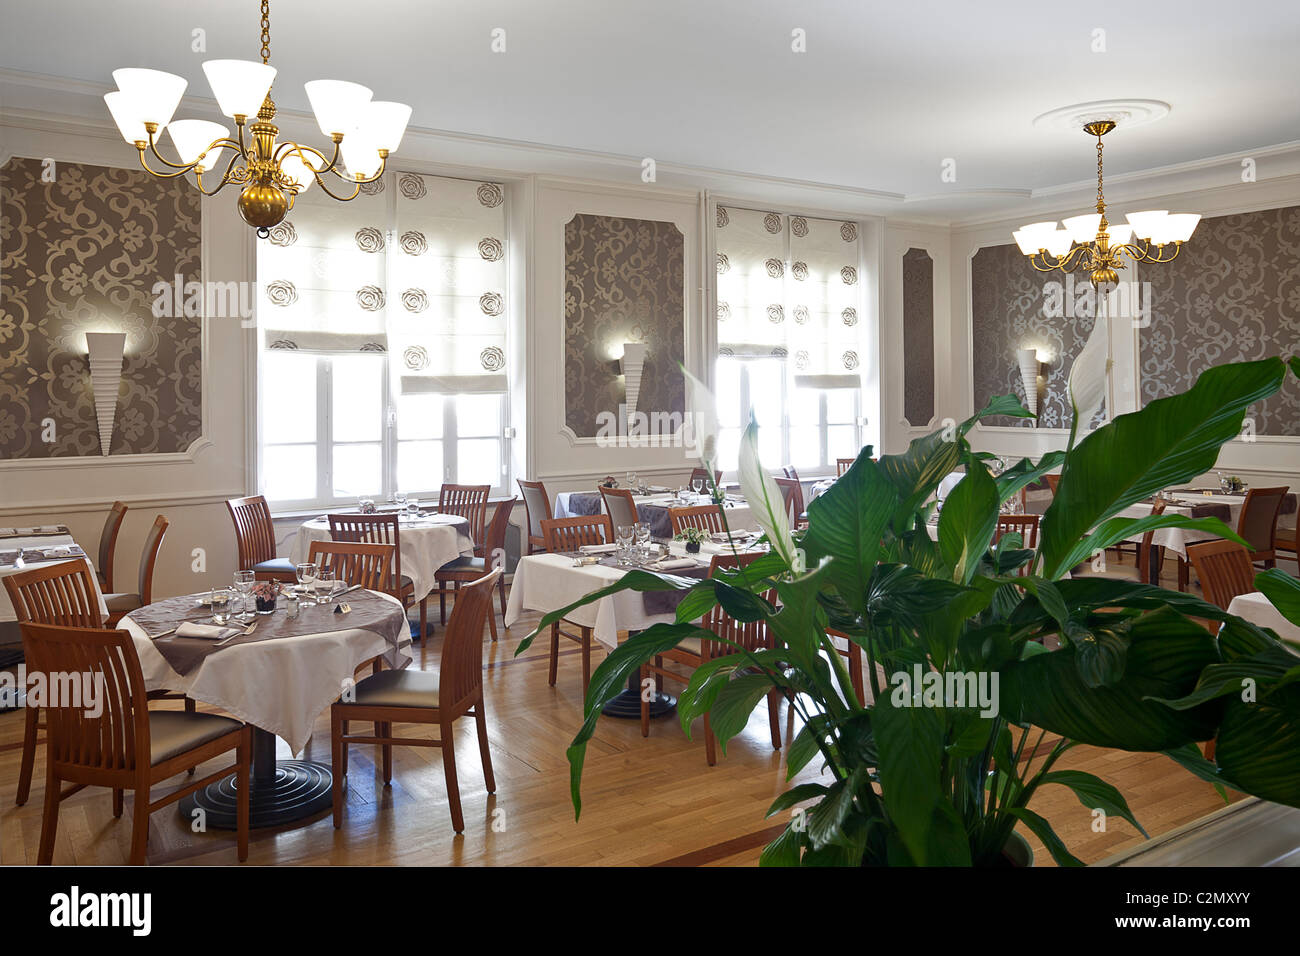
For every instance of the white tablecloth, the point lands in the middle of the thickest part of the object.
(1177, 539)
(282, 685)
(427, 544)
(1254, 607)
(739, 517)
(43, 542)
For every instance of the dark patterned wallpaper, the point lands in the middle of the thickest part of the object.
(624, 281)
(1233, 294)
(918, 337)
(82, 254)
(1007, 298)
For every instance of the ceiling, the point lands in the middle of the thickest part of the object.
(884, 94)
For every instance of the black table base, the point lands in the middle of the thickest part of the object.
(628, 703)
(283, 791)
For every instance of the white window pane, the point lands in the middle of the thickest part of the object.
(766, 381)
(728, 449)
(726, 387)
(805, 446)
(769, 447)
(289, 472)
(841, 406)
(842, 441)
(288, 397)
(357, 470)
(419, 465)
(419, 416)
(478, 461)
(358, 398)
(478, 416)
(805, 407)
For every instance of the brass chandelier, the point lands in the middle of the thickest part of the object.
(1092, 244)
(364, 132)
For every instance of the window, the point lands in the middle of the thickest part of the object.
(383, 344)
(789, 336)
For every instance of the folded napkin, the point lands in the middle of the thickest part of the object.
(597, 548)
(61, 552)
(673, 564)
(209, 632)
(42, 531)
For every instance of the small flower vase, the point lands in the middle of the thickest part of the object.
(692, 547)
(265, 605)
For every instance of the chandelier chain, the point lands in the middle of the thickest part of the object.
(266, 31)
(1101, 202)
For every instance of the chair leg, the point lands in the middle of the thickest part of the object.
(190, 708)
(117, 801)
(1182, 574)
(346, 724)
(645, 704)
(586, 660)
(492, 623)
(789, 717)
(480, 718)
(774, 716)
(424, 618)
(337, 749)
(855, 672)
(50, 819)
(659, 677)
(501, 589)
(449, 765)
(30, 720)
(555, 652)
(442, 602)
(386, 730)
(139, 827)
(710, 744)
(243, 783)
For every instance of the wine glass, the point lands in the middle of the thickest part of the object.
(325, 583)
(623, 537)
(400, 500)
(244, 584)
(642, 531)
(632, 481)
(697, 485)
(306, 573)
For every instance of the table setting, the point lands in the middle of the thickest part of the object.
(652, 503)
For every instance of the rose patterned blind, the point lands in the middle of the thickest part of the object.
(788, 287)
(415, 266)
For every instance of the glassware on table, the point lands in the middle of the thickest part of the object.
(244, 584)
(631, 481)
(222, 601)
(326, 585)
(642, 531)
(623, 537)
(413, 508)
(399, 499)
(306, 573)
(697, 485)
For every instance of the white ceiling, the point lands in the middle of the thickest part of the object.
(884, 93)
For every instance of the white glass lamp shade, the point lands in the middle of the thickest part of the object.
(1144, 223)
(298, 169)
(360, 154)
(192, 136)
(339, 105)
(1082, 229)
(1025, 242)
(1180, 226)
(384, 123)
(1119, 233)
(126, 117)
(1059, 242)
(152, 94)
(1034, 236)
(240, 86)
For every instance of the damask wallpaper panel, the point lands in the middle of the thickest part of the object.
(82, 254)
(918, 337)
(1233, 294)
(624, 281)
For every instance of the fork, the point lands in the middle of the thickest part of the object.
(244, 633)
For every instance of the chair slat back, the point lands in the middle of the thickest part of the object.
(61, 594)
(536, 505)
(254, 530)
(751, 635)
(1259, 514)
(1224, 569)
(570, 534)
(355, 562)
(792, 494)
(460, 672)
(149, 558)
(842, 465)
(707, 517)
(372, 529)
(1024, 525)
(470, 502)
(703, 475)
(108, 542)
(494, 550)
(93, 698)
(620, 506)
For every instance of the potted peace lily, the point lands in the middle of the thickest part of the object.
(943, 759)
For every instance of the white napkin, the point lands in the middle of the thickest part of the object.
(206, 631)
(57, 552)
(597, 548)
(673, 564)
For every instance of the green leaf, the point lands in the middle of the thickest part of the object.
(804, 746)
(826, 819)
(1043, 830)
(1190, 758)
(845, 524)
(1282, 590)
(805, 791)
(967, 522)
(785, 850)
(735, 702)
(1094, 793)
(1120, 529)
(910, 740)
(1258, 742)
(1169, 441)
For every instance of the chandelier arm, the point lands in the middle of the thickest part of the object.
(383, 164)
(328, 192)
(180, 170)
(1033, 261)
(1160, 257)
(228, 177)
(153, 148)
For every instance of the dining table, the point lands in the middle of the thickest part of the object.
(1196, 503)
(652, 508)
(278, 678)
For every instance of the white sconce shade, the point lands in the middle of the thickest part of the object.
(192, 136)
(633, 364)
(339, 105)
(1028, 361)
(298, 169)
(1120, 234)
(1180, 226)
(1059, 242)
(384, 123)
(125, 116)
(152, 95)
(105, 350)
(1034, 236)
(360, 154)
(240, 86)
(1082, 229)
(1144, 223)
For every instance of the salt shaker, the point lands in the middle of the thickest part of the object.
(290, 604)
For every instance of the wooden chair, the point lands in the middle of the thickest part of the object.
(470, 502)
(108, 544)
(382, 529)
(127, 746)
(1284, 542)
(467, 569)
(1052, 482)
(693, 653)
(792, 494)
(1024, 525)
(703, 475)
(356, 562)
(565, 535)
(121, 603)
(255, 540)
(707, 517)
(620, 506)
(424, 697)
(1224, 568)
(537, 508)
(1258, 523)
(842, 465)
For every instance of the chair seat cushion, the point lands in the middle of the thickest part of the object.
(278, 565)
(121, 602)
(173, 732)
(404, 688)
(407, 584)
(465, 563)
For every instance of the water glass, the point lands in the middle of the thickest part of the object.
(642, 532)
(325, 584)
(244, 584)
(623, 537)
(222, 601)
(400, 500)
(306, 573)
(631, 481)
(413, 507)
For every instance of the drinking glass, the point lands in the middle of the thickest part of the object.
(306, 573)
(413, 507)
(244, 584)
(697, 484)
(400, 500)
(325, 584)
(222, 600)
(631, 481)
(642, 531)
(623, 537)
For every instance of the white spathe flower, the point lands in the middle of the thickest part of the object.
(700, 431)
(1088, 377)
(766, 503)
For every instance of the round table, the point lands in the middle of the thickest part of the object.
(279, 686)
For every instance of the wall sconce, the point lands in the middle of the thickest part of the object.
(105, 351)
(632, 364)
(1030, 362)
